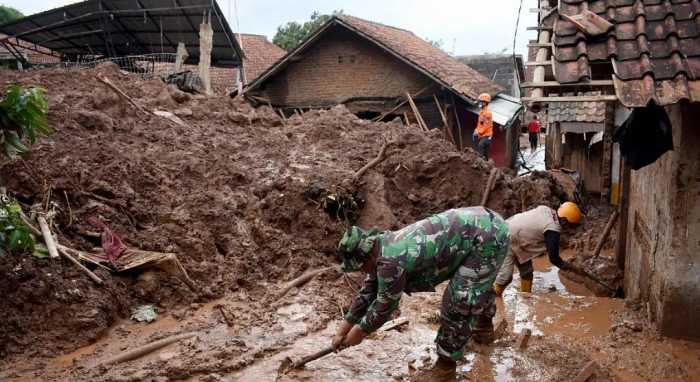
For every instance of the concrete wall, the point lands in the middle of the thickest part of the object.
(341, 66)
(662, 267)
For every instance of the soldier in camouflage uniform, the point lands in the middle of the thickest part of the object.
(465, 246)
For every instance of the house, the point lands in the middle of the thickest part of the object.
(631, 53)
(260, 54)
(504, 69)
(373, 69)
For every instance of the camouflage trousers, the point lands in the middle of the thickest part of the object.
(469, 297)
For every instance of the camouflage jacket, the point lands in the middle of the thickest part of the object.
(422, 255)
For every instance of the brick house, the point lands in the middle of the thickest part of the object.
(631, 53)
(371, 68)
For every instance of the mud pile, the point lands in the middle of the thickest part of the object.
(240, 194)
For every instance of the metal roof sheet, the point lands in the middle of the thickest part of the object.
(115, 28)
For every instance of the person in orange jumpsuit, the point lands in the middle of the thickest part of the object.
(484, 127)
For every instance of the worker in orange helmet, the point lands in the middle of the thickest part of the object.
(532, 233)
(484, 128)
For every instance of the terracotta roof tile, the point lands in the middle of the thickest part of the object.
(577, 111)
(260, 54)
(459, 76)
(654, 46)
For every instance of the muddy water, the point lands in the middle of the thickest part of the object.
(569, 326)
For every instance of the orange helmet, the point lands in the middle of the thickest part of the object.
(484, 97)
(570, 212)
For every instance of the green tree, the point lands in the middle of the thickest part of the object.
(289, 35)
(22, 119)
(8, 14)
(436, 43)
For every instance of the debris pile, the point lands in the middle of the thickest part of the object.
(241, 195)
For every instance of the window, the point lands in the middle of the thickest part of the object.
(340, 59)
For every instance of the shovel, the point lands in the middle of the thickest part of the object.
(615, 292)
(288, 364)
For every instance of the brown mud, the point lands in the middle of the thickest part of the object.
(242, 197)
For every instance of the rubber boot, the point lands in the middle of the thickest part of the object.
(482, 333)
(445, 370)
(526, 286)
(498, 288)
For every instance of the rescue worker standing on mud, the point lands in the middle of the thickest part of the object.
(531, 234)
(484, 127)
(465, 246)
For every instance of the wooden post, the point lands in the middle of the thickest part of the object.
(621, 250)
(606, 232)
(405, 117)
(416, 112)
(459, 124)
(383, 115)
(205, 44)
(180, 57)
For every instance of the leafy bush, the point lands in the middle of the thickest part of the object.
(22, 118)
(15, 236)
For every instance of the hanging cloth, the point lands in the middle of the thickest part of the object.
(644, 136)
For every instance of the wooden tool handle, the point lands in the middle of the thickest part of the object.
(313, 357)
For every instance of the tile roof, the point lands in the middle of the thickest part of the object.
(576, 111)
(421, 53)
(408, 47)
(260, 54)
(654, 46)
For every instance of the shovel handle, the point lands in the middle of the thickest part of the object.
(313, 357)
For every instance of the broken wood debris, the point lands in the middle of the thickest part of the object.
(303, 279)
(225, 314)
(397, 107)
(606, 232)
(148, 348)
(122, 95)
(489, 186)
(378, 159)
(524, 338)
(416, 112)
(48, 236)
(586, 372)
(394, 324)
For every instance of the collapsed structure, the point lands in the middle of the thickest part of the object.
(631, 54)
(382, 72)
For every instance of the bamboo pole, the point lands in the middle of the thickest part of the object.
(606, 232)
(48, 237)
(416, 94)
(416, 112)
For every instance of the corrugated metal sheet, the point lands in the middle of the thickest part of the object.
(129, 27)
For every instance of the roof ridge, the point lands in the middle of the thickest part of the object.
(375, 23)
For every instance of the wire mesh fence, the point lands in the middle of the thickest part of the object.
(155, 65)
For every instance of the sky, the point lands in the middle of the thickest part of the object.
(464, 26)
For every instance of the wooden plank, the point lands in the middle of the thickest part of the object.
(553, 84)
(539, 45)
(601, 98)
(539, 63)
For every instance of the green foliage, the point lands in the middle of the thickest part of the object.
(15, 236)
(22, 118)
(436, 43)
(8, 14)
(289, 35)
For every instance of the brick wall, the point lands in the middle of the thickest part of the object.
(338, 67)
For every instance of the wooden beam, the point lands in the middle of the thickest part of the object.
(416, 94)
(539, 45)
(538, 63)
(539, 28)
(539, 10)
(416, 112)
(555, 84)
(600, 98)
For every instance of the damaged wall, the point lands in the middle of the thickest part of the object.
(663, 231)
(339, 67)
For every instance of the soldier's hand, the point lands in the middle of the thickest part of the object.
(355, 337)
(337, 342)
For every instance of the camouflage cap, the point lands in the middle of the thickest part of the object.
(354, 248)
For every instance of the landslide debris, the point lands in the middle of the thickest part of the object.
(240, 194)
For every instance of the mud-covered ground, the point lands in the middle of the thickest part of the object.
(241, 195)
